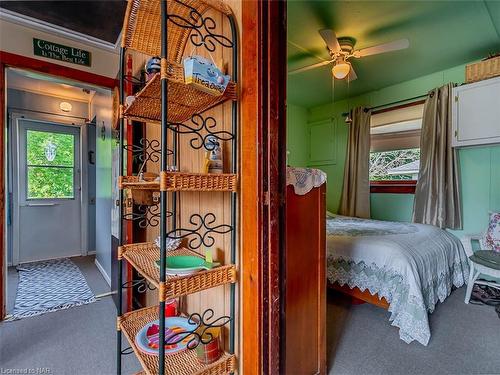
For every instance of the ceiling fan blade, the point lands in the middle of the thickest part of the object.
(309, 67)
(382, 48)
(352, 74)
(330, 39)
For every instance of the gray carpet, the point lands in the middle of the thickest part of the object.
(465, 339)
(77, 341)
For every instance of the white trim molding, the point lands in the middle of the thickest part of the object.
(103, 272)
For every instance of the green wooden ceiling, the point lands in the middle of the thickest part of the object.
(442, 34)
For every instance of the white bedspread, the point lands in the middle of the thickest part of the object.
(412, 265)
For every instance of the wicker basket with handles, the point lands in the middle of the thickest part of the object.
(482, 70)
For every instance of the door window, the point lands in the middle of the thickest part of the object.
(50, 165)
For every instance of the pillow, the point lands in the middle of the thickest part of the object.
(170, 243)
(491, 239)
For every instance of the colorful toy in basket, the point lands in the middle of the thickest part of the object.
(176, 332)
(204, 75)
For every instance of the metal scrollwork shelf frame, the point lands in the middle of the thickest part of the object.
(145, 215)
(142, 285)
(146, 150)
(203, 130)
(202, 231)
(202, 29)
(199, 336)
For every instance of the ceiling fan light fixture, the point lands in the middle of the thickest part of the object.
(341, 69)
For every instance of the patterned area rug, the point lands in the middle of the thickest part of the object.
(50, 286)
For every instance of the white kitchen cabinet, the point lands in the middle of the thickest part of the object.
(476, 113)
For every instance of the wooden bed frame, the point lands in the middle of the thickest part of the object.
(359, 297)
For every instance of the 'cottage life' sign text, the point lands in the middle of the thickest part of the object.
(62, 53)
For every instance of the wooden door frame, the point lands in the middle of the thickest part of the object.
(11, 60)
(263, 183)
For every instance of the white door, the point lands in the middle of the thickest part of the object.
(47, 191)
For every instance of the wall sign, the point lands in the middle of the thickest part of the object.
(59, 52)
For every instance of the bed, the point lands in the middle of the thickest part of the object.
(408, 267)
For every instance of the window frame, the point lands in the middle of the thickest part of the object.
(27, 167)
(394, 186)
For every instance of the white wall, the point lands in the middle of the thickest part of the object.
(101, 108)
(18, 39)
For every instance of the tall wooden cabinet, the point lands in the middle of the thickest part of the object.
(305, 282)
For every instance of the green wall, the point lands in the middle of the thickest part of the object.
(480, 166)
(297, 133)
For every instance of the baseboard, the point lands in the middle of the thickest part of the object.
(103, 272)
(93, 252)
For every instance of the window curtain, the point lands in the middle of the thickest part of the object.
(437, 195)
(355, 199)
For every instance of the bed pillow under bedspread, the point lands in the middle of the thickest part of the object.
(413, 266)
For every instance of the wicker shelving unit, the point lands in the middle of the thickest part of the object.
(165, 29)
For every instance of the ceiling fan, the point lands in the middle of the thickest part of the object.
(342, 49)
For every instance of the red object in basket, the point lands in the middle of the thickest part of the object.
(210, 352)
(170, 308)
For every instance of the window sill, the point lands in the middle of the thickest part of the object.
(393, 187)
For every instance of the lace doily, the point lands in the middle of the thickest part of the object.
(304, 179)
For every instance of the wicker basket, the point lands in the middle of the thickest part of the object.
(143, 257)
(482, 70)
(178, 181)
(143, 192)
(142, 31)
(183, 100)
(180, 363)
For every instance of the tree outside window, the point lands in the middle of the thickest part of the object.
(50, 165)
(394, 165)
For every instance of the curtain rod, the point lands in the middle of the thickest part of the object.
(391, 104)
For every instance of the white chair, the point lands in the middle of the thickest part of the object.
(477, 269)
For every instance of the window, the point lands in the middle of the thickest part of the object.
(50, 165)
(394, 165)
(395, 149)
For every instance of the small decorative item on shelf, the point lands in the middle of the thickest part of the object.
(183, 265)
(204, 75)
(129, 202)
(146, 197)
(176, 329)
(171, 308)
(209, 349)
(153, 66)
(213, 156)
(149, 176)
(170, 243)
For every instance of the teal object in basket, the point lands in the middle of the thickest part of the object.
(186, 264)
